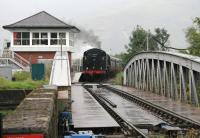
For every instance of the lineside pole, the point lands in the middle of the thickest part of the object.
(61, 50)
(148, 40)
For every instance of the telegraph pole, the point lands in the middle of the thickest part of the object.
(61, 46)
(148, 40)
(61, 50)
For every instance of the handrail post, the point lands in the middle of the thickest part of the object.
(13, 54)
(21, 60)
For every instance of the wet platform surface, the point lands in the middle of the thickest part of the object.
(87, 112)
(178, 107)
(130, 111)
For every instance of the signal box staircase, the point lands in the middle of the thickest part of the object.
(10, 58)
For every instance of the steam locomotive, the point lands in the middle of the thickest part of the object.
(98, 65)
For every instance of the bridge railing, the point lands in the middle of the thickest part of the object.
(173, 75)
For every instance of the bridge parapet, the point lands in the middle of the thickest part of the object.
(173, 75)
(36, 116)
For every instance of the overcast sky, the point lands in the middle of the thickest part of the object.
(111, 20)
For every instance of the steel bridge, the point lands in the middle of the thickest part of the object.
(170, 74)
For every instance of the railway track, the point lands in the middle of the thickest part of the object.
(127, 128)
(166, 115)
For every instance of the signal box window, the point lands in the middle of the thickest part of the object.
(44, 39)
(62, 38)
(40, 38)
(36, 39)
(54, 40)
(21, 38)
(71, 39)
(58, 38)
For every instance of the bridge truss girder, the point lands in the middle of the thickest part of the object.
(176, 76)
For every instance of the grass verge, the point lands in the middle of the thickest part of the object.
(26, 84)
(5, 112)
(117, 80)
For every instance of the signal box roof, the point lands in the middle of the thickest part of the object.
(41, 20)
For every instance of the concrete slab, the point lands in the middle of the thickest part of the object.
(76, 77)
(62, 100)
(63, 94)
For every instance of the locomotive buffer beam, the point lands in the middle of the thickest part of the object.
(127, 128)
(172, 118)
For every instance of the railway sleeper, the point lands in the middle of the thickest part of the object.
(161, 114)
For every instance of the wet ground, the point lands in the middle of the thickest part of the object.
(178, 107)
(87, 112)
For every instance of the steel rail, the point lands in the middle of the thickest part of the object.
(167, 115)
(108, 101)
(127, 128)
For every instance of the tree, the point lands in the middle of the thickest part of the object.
(161, 36)
(138, 44)
(193, 37)
(121, 56)
(197, 21)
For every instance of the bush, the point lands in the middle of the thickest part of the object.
(3, 82)
(48, 67)
(22, 75)
(118, 78)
